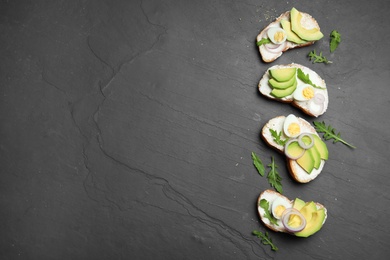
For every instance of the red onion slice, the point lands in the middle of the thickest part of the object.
(291, 212)
(275, 48)
(319, 98)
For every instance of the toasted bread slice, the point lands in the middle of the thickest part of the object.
(271, 196)
(295, 170)
(309, 107)
(307, 22)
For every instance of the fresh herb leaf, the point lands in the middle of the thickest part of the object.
(278, 137)
(258, 164)
(330, 133)
(274, 178)
(265, 239)
(264, 204)
(335, 39)
(305, 78)
(318, 58)
(263, 41)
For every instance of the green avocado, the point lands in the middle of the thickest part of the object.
(281, 93)
(282, 85)
(308, 210)
(321, 147)
(306, 161)
(298, 204)
(283, 74)
(314, 224)
(303, 33)
(291, 36)
(316, 156)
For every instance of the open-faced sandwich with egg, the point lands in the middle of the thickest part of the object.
(290, 30)
(295, 217)
(305, 151)
(297, 85)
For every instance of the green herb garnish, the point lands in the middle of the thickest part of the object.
(305, 78)
(330, 133)
(258, 164)
(264, 204)
(278, 137)
(335, 39)
(274, 178)
(318, 58)
(265, 239)
(263, 41)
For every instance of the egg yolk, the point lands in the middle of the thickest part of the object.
(294, 221)
(308, 93)
(294, 129)
(279, 210)
(278, 37)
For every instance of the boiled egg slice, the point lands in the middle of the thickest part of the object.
(291, 126)
(304, 92)
(277, 35)
(279, 205)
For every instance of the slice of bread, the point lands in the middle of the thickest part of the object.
(295, 170)
(307, 21)
(271, 196)
(308, 107)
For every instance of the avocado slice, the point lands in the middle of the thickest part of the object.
(314, 225)
(298, 204)
(303, 33)
(316, 156)
(281, 93)
(291, 36)
(308, 210)
(282, 74)
(306, 161)
(282, 85)
(321, 147)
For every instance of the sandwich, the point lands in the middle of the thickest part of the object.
(306, 153)
(291, 29)
(296, 217)
(298, 85)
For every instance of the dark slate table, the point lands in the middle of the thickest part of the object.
(127, 129)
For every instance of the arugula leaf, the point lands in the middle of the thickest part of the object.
(274, 178)
(305, 78)
(318, 58)
(263, 41)
(264, 204)
(277, 137)
(335, 39)
(258, 164)
(265, 239)
(330, 133)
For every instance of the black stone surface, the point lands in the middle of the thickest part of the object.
(127, 129)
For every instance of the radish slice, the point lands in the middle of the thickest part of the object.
(305, 140)
(293, 150)
(293, 221)
(275, 48)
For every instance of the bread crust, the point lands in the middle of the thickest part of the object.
(308, 22)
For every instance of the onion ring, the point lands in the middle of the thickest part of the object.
(286, 217)
(275, 48)
(302, 143)
(293, 156)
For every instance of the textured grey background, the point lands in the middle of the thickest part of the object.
(127, 129)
